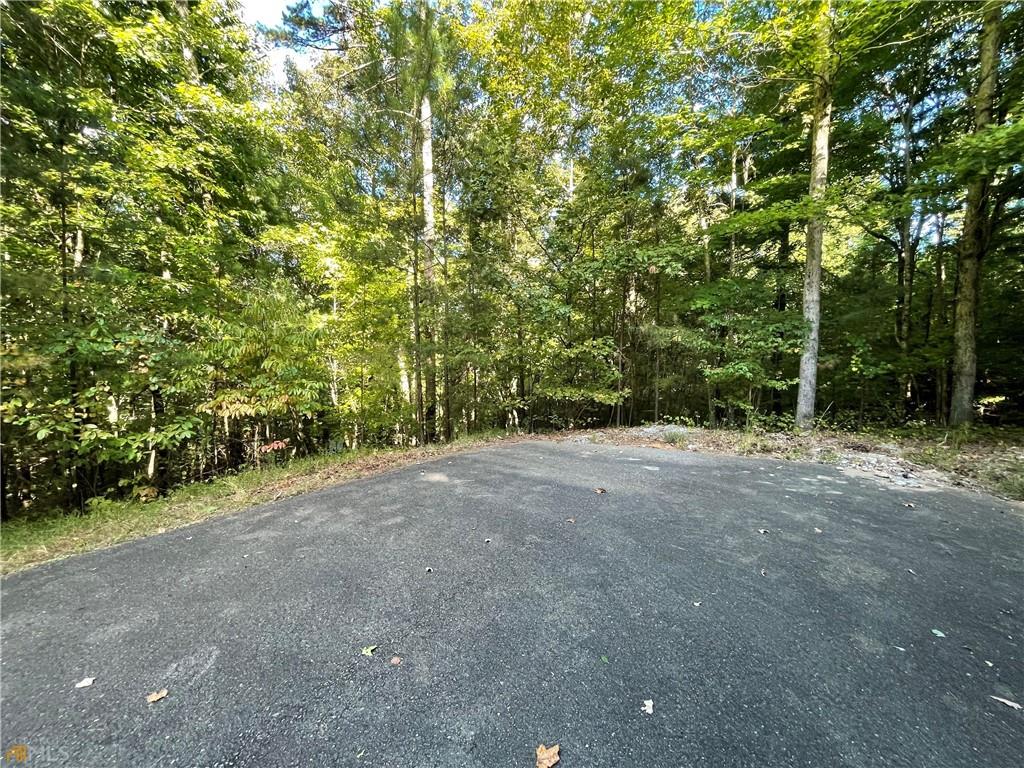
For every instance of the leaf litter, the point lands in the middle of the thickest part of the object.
(547, 756)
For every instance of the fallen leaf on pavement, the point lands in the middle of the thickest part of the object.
(648, 706)
(396, 660)
(547, 756)
(156, 696)
(600, 490)
(368, 650)
(1007, 702)
(938, 633)
(85, 682)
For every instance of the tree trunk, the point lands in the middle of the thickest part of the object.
(906, 266)
(732, 205)
(705, 223)
(157, 469)
(816, 223)
(657, 349)
(430, 369)
(445, 328)
(973, 241)
(939, 309)
(785, 249)
(417, 340)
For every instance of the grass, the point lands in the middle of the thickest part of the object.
(29, 541)
(1002, 472)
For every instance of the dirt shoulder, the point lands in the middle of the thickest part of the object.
(991, 461)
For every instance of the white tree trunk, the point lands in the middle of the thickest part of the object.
(427, 157)
(821, 130)
(427, 151)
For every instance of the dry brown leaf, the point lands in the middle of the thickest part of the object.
(547, 756)
(156, 696)
(600, 490)
(396, 660)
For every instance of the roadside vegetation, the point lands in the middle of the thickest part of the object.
(30, 540)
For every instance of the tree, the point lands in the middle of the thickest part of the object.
(977, 229)
(820, 133)
(139, 176)
(522, 217)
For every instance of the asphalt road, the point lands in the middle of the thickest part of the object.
(810, 645)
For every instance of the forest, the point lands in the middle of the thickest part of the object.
(505, 215)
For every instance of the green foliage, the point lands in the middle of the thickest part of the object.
(202, 274)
